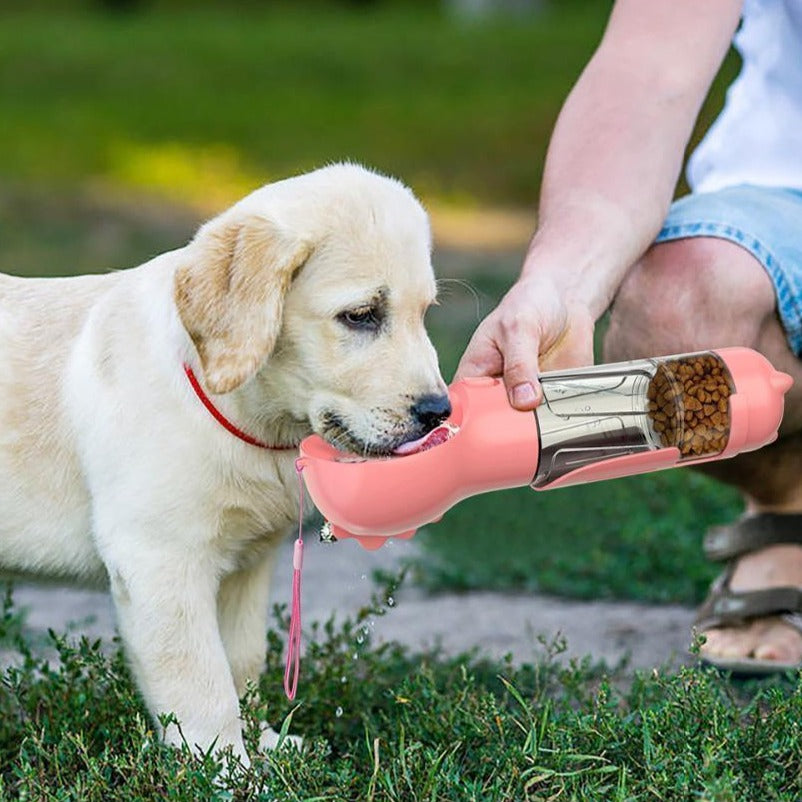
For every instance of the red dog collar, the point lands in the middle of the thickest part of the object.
(223, 420)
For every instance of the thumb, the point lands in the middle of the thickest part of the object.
(521, 376)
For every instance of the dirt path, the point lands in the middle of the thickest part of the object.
(337, 579)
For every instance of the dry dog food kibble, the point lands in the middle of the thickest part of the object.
(688, 404)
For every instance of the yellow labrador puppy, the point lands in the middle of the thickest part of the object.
(299, 309)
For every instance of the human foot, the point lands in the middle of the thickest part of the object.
(746, 618)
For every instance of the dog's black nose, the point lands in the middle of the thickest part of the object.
(430, 410)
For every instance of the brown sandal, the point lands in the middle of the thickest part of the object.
(725, 607)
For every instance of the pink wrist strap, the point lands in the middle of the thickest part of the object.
(292, 666)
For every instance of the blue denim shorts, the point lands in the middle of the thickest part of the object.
(767, 221)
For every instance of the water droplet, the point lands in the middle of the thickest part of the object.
(390, 601)
(356, 655)
(364, 576)
(360, 638)
(343, 679)
(338, 712)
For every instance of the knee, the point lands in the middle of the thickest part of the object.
(689, 295)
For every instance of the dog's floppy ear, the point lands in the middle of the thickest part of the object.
(230, 295)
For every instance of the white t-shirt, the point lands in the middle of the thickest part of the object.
(757, 138)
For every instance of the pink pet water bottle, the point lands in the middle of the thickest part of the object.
(594, 423)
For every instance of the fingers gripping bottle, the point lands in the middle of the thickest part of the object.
(594, 423)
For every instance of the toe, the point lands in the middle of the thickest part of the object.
(727, 642)
(779, 642)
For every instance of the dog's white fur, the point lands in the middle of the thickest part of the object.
(111, 470)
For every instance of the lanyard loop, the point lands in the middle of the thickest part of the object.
(293, 664)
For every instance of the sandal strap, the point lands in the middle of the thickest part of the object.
(794, 620)
(752, 533)
(725, 607)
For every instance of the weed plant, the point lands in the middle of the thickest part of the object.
(382, 724)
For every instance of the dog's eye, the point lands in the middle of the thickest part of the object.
(363, 318)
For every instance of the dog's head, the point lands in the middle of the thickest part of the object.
(310, 294)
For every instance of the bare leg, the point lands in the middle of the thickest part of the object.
(702, 293)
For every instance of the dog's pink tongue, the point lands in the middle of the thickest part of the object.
(430, 440)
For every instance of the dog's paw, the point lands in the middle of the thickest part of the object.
(270, 739)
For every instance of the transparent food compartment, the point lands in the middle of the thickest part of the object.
(594, 414)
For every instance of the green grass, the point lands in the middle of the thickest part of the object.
(202, 103)
(443, 105)
(390, 726)
(637, 538)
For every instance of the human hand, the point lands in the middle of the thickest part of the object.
(534, 327)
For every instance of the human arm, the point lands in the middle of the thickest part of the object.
(612, 164)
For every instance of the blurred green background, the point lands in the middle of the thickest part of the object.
(125, 124)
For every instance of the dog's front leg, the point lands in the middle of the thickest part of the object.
(242, 608)
(167, 615)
